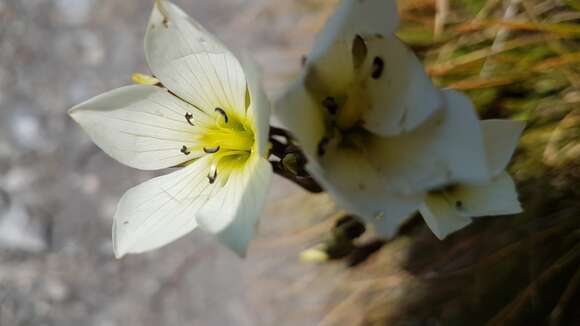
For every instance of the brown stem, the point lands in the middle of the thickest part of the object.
(280, 150)
(308, 183)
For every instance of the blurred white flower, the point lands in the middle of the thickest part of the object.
(212, 121)
(377, 133)
(451, 208)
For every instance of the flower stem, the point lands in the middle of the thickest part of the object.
(289, 160)
(308, 183)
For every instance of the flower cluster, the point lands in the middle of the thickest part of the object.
(377, 134)
(383, 140)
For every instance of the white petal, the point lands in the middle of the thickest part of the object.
(321, 76)
(499, 197)
(448, 212)
(441, 216)
(233, 212)
(259, 109)
(403, 96)
(191, 62)
(463, 144)
(501, 139)
(387, 227)
(300, 114)
(355, 17)
(160, 210)
(447, 148)
(359, 188)
(331, 56)
(141, 126)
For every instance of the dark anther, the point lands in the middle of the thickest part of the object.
(330, 104)
(223, 113)
(188, 117)
(322, 146)
(212, 176)
(211, 150)
(359, 51)
(378, 67)
(459, 204)
(184, 150)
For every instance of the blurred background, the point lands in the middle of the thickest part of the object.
(515, 58)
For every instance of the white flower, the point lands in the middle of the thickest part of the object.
(359, 68)
(452, 207)
(378, 134)
(212, 121)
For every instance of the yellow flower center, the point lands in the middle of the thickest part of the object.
(343, 118)
(229, 139)
(345, 102)
(230, 133)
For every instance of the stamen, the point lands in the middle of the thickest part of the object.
(211, 150)
(378, 67)
(184, 150)
(359, 51)
(188, 117)
(223, 113)
(322, 146)
(212, 175)
(330, 104)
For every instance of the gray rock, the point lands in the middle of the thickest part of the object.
(18, 231)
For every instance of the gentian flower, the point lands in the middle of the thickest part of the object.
(210, 119)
